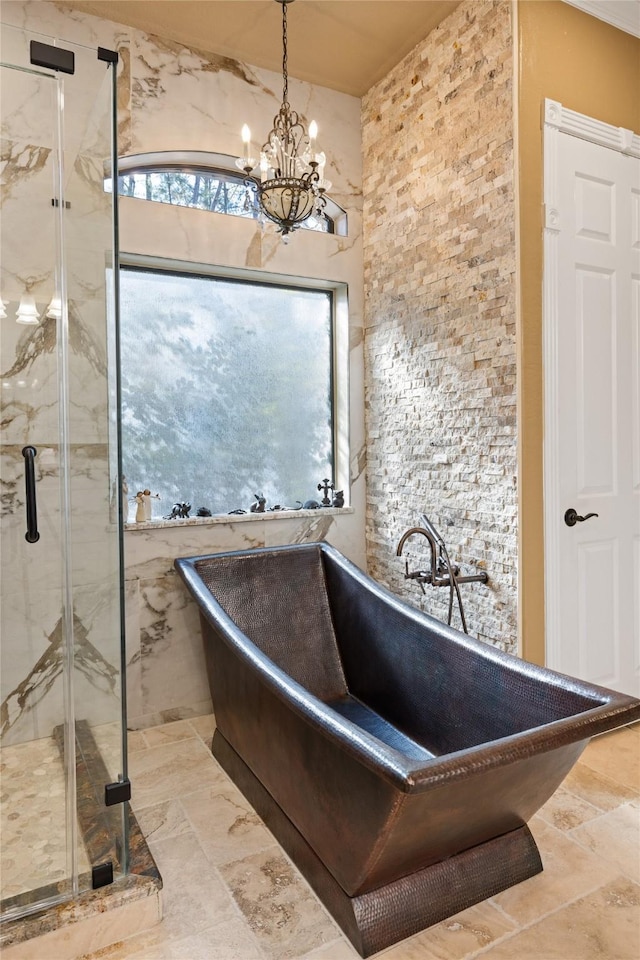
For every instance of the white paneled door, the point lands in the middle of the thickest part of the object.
(592, 408)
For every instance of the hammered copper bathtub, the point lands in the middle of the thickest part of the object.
(396, 760)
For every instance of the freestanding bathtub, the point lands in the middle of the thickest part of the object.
(396, 760)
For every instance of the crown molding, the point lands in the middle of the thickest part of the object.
(623, 14)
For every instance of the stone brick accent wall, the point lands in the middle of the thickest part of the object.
(440, 353)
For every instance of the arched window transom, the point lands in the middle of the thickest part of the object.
(204, 181)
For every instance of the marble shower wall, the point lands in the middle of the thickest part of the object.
(31, 368)
(175, 98)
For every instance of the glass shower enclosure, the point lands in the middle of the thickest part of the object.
(63, 735)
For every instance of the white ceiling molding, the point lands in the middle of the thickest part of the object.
(623, 14)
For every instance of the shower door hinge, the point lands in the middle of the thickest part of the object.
(55, 58)
(101, 875)
(117, 792)
(109, 56)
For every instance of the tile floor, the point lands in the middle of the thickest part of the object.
(231, 894)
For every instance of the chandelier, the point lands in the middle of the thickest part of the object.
(292, 185)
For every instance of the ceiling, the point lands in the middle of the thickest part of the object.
(346, 45)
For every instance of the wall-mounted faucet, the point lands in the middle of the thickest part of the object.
(442, 573)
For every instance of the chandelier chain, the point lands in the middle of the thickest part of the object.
(285, 76)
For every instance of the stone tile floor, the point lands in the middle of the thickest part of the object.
(231, 894)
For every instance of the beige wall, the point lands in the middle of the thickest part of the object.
(592, 68)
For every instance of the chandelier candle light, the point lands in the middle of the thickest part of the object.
(292, 184)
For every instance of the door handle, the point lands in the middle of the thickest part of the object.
(571, 517)
(29, 454)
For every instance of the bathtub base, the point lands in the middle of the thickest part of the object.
(382, 917)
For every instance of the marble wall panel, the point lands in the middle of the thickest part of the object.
(133, 658)
(33, 659)
(87, 373)
(28, 261)
(92, 513)
(149, 553)
(28, 359)
(320, 526)
(29, 374)
(29, 104)
(97, 691)
(59, 20)
(88, 121)
(89, 253)
(87, 128)
(32, 698)
(173, 672)
(162, 70)
(32, 695)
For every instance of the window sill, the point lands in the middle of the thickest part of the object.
(229, 518)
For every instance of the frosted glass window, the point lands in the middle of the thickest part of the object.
(226, 390)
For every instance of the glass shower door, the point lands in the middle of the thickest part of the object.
(61, 641)
(35, 653)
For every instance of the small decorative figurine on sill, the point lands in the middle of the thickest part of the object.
(140, 509)
(325, 486)
(338, 498)
(147, 497)
(203, 512)
(180, 511)
(259, 506)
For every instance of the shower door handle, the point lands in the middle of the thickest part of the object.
(29, 454)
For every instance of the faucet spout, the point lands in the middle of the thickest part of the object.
(433, 543)
(409, 533)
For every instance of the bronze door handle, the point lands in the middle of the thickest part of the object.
(571, 517)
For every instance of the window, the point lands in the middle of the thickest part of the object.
(218, 191)
(205, 181)
(227, 389)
